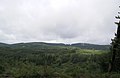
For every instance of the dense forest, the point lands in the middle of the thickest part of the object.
(38, 60)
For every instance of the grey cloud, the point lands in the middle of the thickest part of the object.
(65, 21)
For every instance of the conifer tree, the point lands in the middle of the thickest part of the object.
(115, 48)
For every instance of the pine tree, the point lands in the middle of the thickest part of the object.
(115, 49)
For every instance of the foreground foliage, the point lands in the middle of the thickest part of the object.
(115, 49)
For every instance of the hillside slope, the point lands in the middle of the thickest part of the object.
(37, 45)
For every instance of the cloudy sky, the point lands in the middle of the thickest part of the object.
(67, 21)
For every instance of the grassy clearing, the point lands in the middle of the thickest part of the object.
(85, 51)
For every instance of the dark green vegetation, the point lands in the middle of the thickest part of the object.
(43, 60)
(115, 49)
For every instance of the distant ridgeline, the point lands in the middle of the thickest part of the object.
(42, 44)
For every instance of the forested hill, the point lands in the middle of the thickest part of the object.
(91, 46)
(43, 44)
(50, 60)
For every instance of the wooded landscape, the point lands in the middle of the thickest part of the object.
(45, 61)
(40, 60)
(58, 60)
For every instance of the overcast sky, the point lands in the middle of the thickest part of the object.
(67, 21)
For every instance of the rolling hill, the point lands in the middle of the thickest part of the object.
(44, 45)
